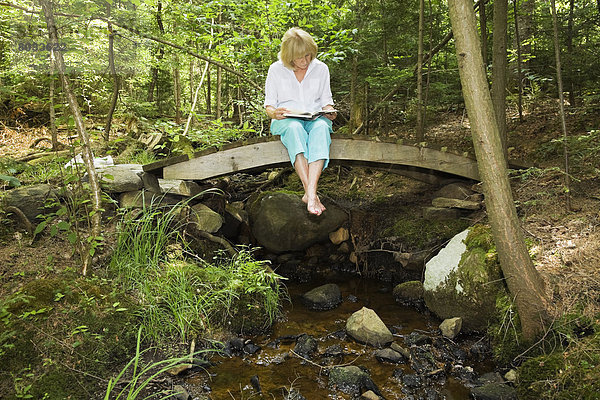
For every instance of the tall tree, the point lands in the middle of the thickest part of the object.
(484, 32)
(88, 157)
(113, 74)
(420, 119)
(524, 282)
(519, 61)
(499, 68)
(561, 98)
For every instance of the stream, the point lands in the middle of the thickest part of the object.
(280, 371)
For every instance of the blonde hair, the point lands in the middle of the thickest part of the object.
(296, 43)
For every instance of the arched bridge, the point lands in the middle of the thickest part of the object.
(268, 152)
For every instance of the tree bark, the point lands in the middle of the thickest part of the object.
(420, 120)
(519, 61)
(561, 98)
(524, 282)
(53, 130)
(82, 133)
(484, 33)
(177, 84)
(114, 76)
(570, 33)
(219, 93)
(499, 69)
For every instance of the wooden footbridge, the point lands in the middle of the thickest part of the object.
(269, 152)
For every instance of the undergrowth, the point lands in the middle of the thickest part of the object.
(183, 295)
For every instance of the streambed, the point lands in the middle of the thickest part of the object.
(279, 370)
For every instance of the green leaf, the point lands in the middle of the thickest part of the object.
(41, 226)
(72, 237)
(12, 181)
(64, 226)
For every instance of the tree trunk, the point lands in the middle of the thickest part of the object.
(115, 78)
(519, 61)
(219, 93)
(420, 120)
(53, 130)
(208, 92)
(499, 68)
(561, 102)
(484, 33)
(571, 75)
(83, 136)
(524, 282)
(526, 26)
(177, 84)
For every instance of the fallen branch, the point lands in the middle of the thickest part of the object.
(21, 215)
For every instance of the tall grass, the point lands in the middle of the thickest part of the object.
(181, 297)
(140, 377)
(142, 242)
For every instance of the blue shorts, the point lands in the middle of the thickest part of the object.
(312, 138)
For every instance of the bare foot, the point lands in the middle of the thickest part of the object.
(314, 205)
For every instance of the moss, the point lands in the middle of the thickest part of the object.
(480, 236)
(566, 363)
(86, 326)
(505, 332)
(420, 233)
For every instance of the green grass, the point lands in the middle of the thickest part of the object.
(186, 297)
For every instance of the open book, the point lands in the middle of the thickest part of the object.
(307, 115)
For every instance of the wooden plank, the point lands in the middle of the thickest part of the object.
(273, 153)
(269, 154)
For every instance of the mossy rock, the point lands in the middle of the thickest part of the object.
(468, 290)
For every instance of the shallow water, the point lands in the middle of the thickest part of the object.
(230, 378)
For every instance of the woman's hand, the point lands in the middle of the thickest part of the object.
(277, 113)
(331, 115)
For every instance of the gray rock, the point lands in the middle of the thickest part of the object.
(457, 190)
(417, 339)
(306, 346)
(180, 393)
(461, 283)
(323, 298)
(120, 178)
(444, 202)
(389, 355)
(402, 350)
(408, 292)
(280, 222)
(365, 326)
(348, 379)
(440, 214)
(205, 219)
(31, 200)
(144, 199)
(451, 327)
(494, 391)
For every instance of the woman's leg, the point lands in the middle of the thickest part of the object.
(299, 144)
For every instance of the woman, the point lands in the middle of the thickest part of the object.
(298, 81)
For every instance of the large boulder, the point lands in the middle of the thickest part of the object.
(280, 222)
(464, 279)
(365, 326)
(33, 200)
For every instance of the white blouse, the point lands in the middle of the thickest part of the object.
(282, 89)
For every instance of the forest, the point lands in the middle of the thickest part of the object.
(102, 300)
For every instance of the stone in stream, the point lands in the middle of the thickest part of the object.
(322, 298)
(351, 380)
(365, 326)
(389, 355)
(494, 391)
(451, 327)
(306, 346)
(417, 339)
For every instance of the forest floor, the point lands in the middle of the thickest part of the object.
(564, 239)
